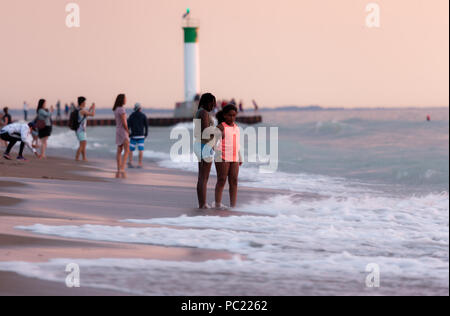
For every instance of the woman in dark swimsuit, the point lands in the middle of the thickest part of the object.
(206, 105)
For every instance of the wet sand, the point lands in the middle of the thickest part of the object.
(49, 192)
(8, 201)
(12, 284)
(50, 168)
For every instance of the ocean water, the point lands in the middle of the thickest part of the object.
(394, 151)
(383, 177)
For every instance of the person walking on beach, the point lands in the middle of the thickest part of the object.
(6, 118)
(138, 126)
(66, 110)
(203, 150)
(122, 135)
(228, 155)
(255, 105)
(25, 111)
(78, 123)
(18, 132)
(58, 110)
(241, 106)
(44, 124)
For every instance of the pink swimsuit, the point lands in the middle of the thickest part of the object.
(231, 143)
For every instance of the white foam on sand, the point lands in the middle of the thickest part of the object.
(289, 246)
(296, 247)
(68, 139)
(250, 176)
(234, 277)
(65, 139)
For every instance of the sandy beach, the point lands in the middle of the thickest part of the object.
(50, 168)
(59, 191)
(227, 149)
(292, 233)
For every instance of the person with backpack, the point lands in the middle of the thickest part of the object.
(138, 126)
(78, 123)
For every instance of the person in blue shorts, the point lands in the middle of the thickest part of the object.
(138, 126)
(202, 148)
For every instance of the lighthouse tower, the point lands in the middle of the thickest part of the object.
(191, 57)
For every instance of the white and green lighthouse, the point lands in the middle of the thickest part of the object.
(191, 58)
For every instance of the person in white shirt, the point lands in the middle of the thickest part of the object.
(18, 132)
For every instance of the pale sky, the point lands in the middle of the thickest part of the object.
(284, 52)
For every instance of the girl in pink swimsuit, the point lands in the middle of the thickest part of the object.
(228, 156)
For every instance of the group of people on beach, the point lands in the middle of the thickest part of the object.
(28, 134)
(220, 104)
(219, 144)
(130, 132)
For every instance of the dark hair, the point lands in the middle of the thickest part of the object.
(206, 99)
(5, 110)
(32, 125)
(81, 100)
(228, 108)
(40, 104)
(120, 101)
(221, 115)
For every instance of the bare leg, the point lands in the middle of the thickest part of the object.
(83, 150)
(119, 159)
(233, 182)
(44, 147)
(141, 158)
(126, 152)
(204, 169)
(77, 156)
(131, 157)
(222, 175)
(35, 142)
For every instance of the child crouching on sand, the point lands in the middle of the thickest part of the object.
(228, 155)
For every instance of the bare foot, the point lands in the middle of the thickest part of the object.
(205, 207)
(221, 207)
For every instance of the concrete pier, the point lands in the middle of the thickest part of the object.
(163, 121)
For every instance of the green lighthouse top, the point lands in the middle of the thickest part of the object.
(190, 34)
(190, 27)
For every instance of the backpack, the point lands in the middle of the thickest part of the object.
(74, 124)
